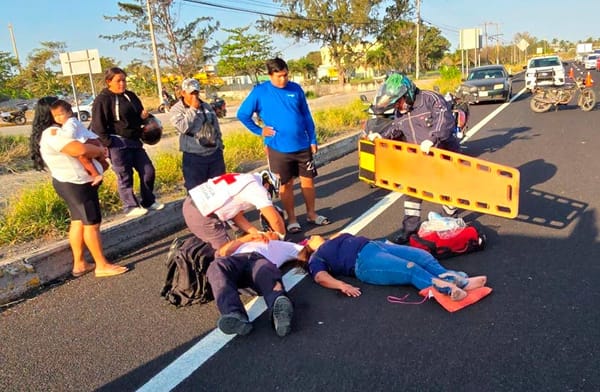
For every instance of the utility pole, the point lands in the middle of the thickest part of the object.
(155, 52)
(485, 42)
(14, 45)
(418, 38)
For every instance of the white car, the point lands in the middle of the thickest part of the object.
(85, 109)
(590, 61)
(544, 71)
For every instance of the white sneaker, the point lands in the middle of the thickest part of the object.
(156, 206)
(135, 212)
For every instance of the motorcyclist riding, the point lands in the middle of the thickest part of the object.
(421, 117)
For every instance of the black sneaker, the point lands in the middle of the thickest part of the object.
(402, 238)
(234, 323)
(283, 311)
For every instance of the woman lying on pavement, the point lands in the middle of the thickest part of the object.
(252, 261)
(379, 263)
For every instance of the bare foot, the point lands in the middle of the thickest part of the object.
(458, 294)
(110, 270)
(476, 282)
(455, 293)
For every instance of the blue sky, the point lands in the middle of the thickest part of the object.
(78, 23)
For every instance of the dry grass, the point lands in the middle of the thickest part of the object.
(14, 154)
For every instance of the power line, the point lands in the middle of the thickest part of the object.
(291, 17)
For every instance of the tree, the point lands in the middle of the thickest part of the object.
(342, 26)
(184, 49)
(245, 54)
(432, 47)
(304, 66)
(38, 78)
(8, 65)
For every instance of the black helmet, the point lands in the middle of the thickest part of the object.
(396, 86)
(151, 130)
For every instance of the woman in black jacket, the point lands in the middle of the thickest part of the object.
(117, 116)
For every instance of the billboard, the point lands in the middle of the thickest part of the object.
(81, 62)
(469, 39)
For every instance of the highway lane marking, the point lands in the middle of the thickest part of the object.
(182, 367)
(489, 117)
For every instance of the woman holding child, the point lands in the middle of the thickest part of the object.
(59, 152)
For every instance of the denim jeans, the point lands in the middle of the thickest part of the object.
(385, 264)
(198, 169)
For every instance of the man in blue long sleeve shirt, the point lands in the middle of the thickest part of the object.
(289, 135)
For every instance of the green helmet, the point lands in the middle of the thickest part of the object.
(396, 86)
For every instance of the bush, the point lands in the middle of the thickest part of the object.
(311, 94)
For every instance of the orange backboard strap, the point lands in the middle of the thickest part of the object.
(441, 176)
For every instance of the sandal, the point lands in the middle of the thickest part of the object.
(113, 270)
(320, 221)
(294, 228)
(89, 268)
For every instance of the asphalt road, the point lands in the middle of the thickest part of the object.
(538, 330)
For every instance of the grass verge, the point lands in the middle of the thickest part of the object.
(36, 211)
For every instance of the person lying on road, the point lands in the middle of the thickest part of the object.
(379, 263)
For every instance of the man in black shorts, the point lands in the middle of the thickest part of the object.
(289, 134)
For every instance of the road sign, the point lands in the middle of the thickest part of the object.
(523, 45)
(81, 62)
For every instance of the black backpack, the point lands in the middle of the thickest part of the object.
(187, 263)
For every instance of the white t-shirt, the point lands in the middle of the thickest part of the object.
(277, 252)
(76, 130)
(63, 167)
(227, 195)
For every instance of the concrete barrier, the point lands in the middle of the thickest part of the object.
(21, 276)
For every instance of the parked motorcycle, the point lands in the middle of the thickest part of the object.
(219, 106)
(15, 116)
(543, 98)
(167, 102)
(379, 118)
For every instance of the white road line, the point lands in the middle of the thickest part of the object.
(191, 360)
(489, 117)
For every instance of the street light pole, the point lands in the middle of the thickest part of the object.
(14, 45)
(418, 33)
(155, 52)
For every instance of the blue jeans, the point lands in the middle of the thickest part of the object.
(197, 168)
(385, 264)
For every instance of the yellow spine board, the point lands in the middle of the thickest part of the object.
(441, 177)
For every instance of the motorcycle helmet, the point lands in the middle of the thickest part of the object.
(151, 130)
(396, 86)
(271, 183)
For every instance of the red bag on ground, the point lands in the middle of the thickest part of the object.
(463, 240)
